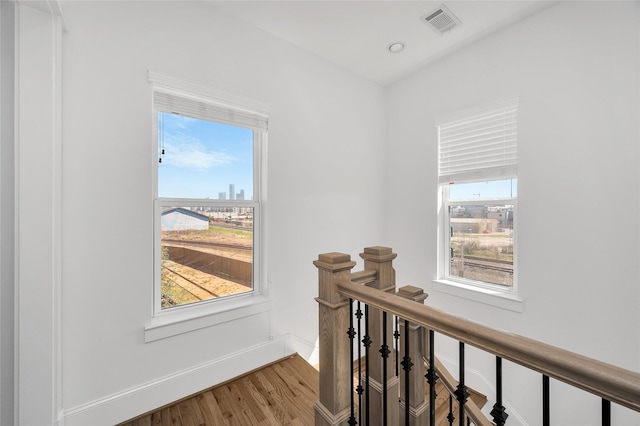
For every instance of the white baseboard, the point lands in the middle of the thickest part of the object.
(130, 403)
(307, 350)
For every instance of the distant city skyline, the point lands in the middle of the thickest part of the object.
(203, 159)
(232, 194)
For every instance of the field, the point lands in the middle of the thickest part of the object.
(483, 257)
(201, 265)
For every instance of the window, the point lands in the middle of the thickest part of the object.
(478, 183)
(208, 198)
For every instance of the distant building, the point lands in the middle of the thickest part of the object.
(240, 195)
(222, 195)
(477, 211)
(474, 225)
(232, 191)
(181, 219)
(504, 217)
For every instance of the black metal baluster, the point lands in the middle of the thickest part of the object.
(498, 412)
(351, 333)
(396, 337)
(384, 352)
(606, 412)
(359, 388)
(432, 378)
(545, 400)
(450, 416)
(406, 366)
(461, 391)
(366, 341)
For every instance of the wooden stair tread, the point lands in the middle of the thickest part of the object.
(442, 397)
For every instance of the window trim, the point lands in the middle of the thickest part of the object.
(194, 316)
(447, 241)
(159, 203)
(483, 292)
(498, 299)
(490, 294)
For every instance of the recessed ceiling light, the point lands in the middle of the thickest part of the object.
(396, 47)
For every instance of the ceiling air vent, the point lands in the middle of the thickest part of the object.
(441, 20)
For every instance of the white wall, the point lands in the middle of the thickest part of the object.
(7, 64)
(329, 135)
(325, 151)
(578, 184)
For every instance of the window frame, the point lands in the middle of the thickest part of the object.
(446, 240)
(184, 318)
(507, 297)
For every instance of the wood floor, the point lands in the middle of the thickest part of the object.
(282, 393)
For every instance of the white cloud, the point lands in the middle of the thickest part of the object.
(191, 153)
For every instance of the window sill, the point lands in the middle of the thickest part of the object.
(194, 318)
(499, 299)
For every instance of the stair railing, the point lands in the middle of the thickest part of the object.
(375, 288)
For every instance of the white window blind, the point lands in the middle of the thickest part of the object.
(479, 144)
(220, 113)
(176, 95)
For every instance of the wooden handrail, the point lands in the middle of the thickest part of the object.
(604, 380)
(364, 277)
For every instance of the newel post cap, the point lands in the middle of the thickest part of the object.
(334, 262)
(378, 254)
(413, 293)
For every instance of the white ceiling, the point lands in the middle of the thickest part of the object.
(356, 34)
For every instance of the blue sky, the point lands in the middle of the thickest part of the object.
(202, 158)
(476, 190)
